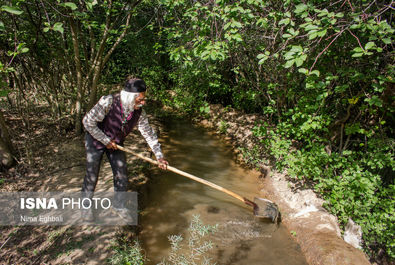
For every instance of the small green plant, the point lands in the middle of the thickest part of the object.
(252, 156)
(127, 254)
(197, 246)
(223, 127)
(204, 109)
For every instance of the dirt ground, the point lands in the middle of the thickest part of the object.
(52, 158)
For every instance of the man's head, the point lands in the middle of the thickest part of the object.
(135, 85)
(133, 94)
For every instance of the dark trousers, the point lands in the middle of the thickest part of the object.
(117, 161)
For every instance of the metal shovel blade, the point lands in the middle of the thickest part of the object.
(266, 209)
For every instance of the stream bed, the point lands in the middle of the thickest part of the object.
(173, 200)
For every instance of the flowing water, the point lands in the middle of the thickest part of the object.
(172, 200)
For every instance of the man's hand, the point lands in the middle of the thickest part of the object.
(163, 163)
(112, 145)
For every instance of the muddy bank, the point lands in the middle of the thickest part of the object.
(316, 230)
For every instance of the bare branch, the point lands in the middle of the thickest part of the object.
(360, 45)
(119, 39)
(46, 14)
(326, 48)
(57, 11)
(366, 9)
(352, 8)
(348, 1)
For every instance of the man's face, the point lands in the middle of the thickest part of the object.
(140, 101)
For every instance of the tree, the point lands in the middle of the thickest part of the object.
(104, 39)
(6, 148)
(66, 75)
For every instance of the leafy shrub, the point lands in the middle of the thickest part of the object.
(355, 183)
(223, 127)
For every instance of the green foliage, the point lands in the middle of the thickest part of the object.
(253, 156)
(69, 44)
(205, 109)
(127, 254)
(70, 5)
(356, 183)
(19, 48)
(197, 245)
(322, 74)
(11, 10)
(4, 93)
(223, 127)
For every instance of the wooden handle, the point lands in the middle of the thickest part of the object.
(185, 174)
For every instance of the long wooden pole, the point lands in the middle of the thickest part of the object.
(185, 174)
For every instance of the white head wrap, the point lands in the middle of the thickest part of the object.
(128, 99)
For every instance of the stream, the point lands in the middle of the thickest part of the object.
(173, 200)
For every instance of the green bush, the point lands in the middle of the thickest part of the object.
(356, 183)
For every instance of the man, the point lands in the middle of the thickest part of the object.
(107, 125)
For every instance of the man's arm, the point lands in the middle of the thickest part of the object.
(95, 115)
(149, 135)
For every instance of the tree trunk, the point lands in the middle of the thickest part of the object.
(95, 81)
(100, 62)
(6, 148)
(78, 104)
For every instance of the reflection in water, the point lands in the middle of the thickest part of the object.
(173, 200)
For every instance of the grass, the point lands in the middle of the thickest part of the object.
(127, 252)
